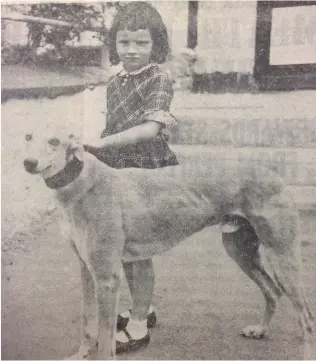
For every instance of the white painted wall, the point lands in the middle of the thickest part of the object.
(226, 32)
(14, 32)
(175, 17)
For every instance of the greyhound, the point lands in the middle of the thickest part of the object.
(129, 214)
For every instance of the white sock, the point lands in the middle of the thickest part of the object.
(127, 314)
(137, 329)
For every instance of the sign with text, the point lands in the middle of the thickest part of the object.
(293, 35)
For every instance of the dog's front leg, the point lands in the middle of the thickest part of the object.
(106, 262)
(107, 299)
(89, 325)
(104, 253)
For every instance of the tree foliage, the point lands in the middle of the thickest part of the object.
(83, 16)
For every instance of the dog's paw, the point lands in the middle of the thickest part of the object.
(86, 352)
(310, 351)
(254, 331)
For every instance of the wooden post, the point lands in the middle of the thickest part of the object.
(105, 62)
(193, 7)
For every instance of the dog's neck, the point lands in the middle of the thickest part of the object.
(67, 175)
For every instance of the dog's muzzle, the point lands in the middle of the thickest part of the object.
(30, 165)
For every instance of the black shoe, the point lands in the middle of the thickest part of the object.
(131, 345)
(123, 321)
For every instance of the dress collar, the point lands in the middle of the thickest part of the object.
(123, 72)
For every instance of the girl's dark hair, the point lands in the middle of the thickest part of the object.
(138, 15)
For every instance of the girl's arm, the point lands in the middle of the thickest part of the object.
(143, 132)
(156, 117)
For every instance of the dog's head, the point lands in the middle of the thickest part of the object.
(50, 156)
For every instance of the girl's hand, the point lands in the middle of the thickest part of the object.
(87, 147)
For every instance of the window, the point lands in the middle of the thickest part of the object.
(285, 51)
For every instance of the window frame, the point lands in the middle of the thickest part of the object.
(288, 76)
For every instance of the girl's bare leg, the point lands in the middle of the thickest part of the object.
(140, 277)
(143, 287)
(128, 270)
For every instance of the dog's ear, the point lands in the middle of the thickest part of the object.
(74, 146)
(28, 137)
(74, 142)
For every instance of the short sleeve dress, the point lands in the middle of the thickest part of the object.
(132, 99)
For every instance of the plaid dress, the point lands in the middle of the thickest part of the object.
(132, 99)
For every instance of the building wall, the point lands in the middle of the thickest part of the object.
(175, 17)
(226, 33)
(14, 32)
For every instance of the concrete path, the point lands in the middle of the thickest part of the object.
(201, 296)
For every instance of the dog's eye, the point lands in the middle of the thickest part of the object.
(54, 142)
(28, 137)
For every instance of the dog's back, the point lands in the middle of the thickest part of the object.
(217, 180)
(172, 203)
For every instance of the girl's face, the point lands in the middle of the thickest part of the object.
(134, 48)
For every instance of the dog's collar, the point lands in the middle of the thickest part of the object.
(65, 176)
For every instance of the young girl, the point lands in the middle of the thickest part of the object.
(138, 119)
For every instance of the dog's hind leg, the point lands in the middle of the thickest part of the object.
(287, 275)
(287, 270)
(277, 226)
(243, 247)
